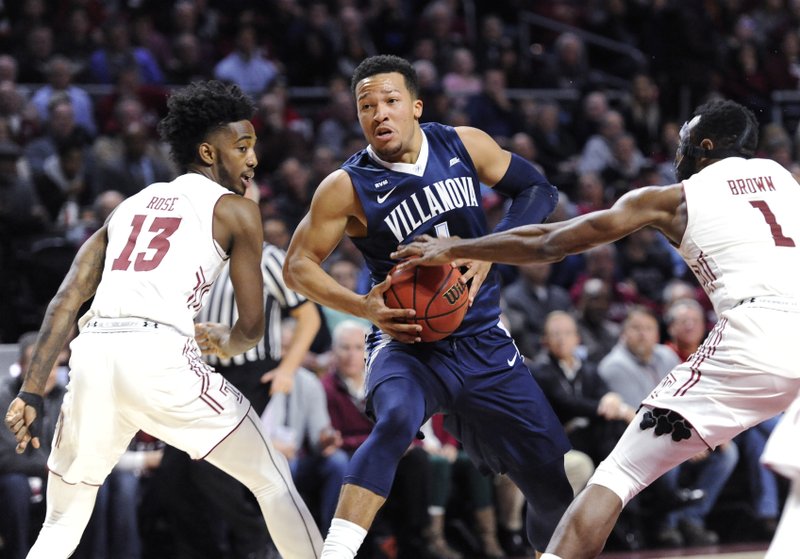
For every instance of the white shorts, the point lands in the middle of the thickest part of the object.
(127, 375)
(745, 372)
(782, 453)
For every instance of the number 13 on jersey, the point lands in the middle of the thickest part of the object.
(157, 247)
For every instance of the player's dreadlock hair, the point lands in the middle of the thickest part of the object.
(197, 110)
(384, 64)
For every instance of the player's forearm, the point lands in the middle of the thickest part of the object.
(515, 246)
(308, 323)
(310, 280)
(243, 337)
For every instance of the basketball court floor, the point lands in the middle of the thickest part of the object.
(732, 551)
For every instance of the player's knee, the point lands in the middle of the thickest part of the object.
(397, 421)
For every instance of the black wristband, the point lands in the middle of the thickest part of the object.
(36, 401)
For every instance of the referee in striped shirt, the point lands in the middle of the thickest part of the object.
(251, 371)
(196, 491)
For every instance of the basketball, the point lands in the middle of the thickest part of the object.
(435, 293)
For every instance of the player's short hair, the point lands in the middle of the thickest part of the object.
(197, 110)
(728, 124)
(384, 64)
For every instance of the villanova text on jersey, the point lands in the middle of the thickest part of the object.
(438, 195)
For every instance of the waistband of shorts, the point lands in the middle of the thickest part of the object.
(127, 324)
(778, 303)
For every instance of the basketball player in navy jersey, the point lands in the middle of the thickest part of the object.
(414, 179)
(733, 217)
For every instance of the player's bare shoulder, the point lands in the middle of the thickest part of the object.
(336, 198)
(234, 217)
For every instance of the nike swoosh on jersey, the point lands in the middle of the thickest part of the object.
(382, 197)
(512, 360)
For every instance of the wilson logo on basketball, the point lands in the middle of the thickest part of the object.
(454, 293)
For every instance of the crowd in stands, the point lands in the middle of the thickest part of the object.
(83, 84)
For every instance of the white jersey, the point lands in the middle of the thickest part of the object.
(161, 258)
(742, 237)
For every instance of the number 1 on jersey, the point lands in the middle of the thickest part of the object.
(163, 227)
(777, 231)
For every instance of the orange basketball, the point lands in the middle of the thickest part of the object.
(441, 301)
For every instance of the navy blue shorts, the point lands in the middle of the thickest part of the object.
(494, 406)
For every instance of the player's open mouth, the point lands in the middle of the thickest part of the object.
(383, 133)
(247, 180)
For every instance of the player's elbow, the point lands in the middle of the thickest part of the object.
(251, 329)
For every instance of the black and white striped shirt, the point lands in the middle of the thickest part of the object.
(221, 307)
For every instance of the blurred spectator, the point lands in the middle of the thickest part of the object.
(20, 120)
(117, 53)
(276, 232)
(187, 63)
(247, 66)
(776, 144)
(310, 51)
(598, 333)
(491, 110)
(590, 118)
(23, 477)
(591, 193)
(555, 143)
(76, 41)
(782, 62)
(300, 428)
(60, 72)
(63, 184)
(293, 190)
(686, 326)
(441, 25)
(568, 66)
(624, 167)
(38, 47)
(130, 100)
(527, 301)
(746, 81)
(282, 133)
(602, 262)
(140, 163)
(61, 127)
(460, 81)
(340, 122)
(598, 151)
(346, 272)
(92, 218)
(642, 113)
(353, 40)
(407, 504)
(147, 36)
(593, 416)
(492, 42)
(647, 264)
(392, 23)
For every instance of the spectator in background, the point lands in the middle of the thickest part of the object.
(598, 332)
(293, 190)
(281, 132)
(591, 193)
(187, 63)
(139, 164)
(147, 36)
(311, 47)
(300, 428)
(113, 110)
(625, 166)
(557, 147)
(598, 151)
(75, 40)
(37, 48)
(247, 66)
(461, 81)
(353, 40)
(63, 184)
(60, 71)
(527, 301)
(340, 122)
(61, 128)
(642, 113)
(20, 120)
(491, 110)
(23, 476)
(589, 120)
(345, 389)
(117, 53)
(94, 217)
(567, 67)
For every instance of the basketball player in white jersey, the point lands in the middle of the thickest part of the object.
(136, 363)
(734, 220)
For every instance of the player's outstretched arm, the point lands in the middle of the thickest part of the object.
(78, 286)
(654, 206)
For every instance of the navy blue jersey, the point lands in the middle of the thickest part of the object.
(439, 195)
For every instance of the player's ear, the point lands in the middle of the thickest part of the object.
(207, 153)
(417, 108)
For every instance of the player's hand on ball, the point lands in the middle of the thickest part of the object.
(212, 337)
(391, 321)
(19, 418)
(425, 251)
(477, 270)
